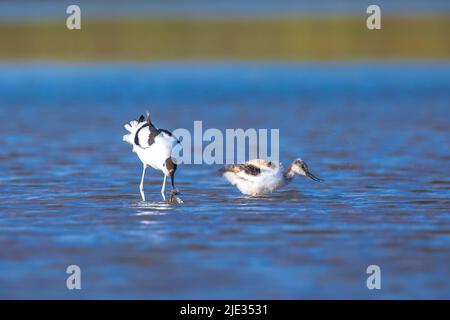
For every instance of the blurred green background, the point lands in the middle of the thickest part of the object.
(248, 30)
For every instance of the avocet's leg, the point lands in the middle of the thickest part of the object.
(141, 187)
(174, 192)
(163, 189)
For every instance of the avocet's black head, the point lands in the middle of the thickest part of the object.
(141, 119)
(300, 167)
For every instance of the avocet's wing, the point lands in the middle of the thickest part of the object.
(242, 169)
(147, 135)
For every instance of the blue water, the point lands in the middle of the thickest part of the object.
(378, 133)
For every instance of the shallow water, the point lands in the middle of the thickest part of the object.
(377, 133)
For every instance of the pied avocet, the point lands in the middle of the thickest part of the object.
(154, 148)
(258, 177)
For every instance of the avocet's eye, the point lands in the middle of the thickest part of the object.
(269, 163)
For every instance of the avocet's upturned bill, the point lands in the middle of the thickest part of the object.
(258, 177)
(154, 148)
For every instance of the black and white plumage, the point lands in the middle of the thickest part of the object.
(258, 177)
(154, 148)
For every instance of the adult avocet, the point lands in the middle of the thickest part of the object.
(257, 177)
(154, 148)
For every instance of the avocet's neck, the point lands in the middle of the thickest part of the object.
(289, 174)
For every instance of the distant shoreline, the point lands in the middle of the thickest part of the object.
(273, 38)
